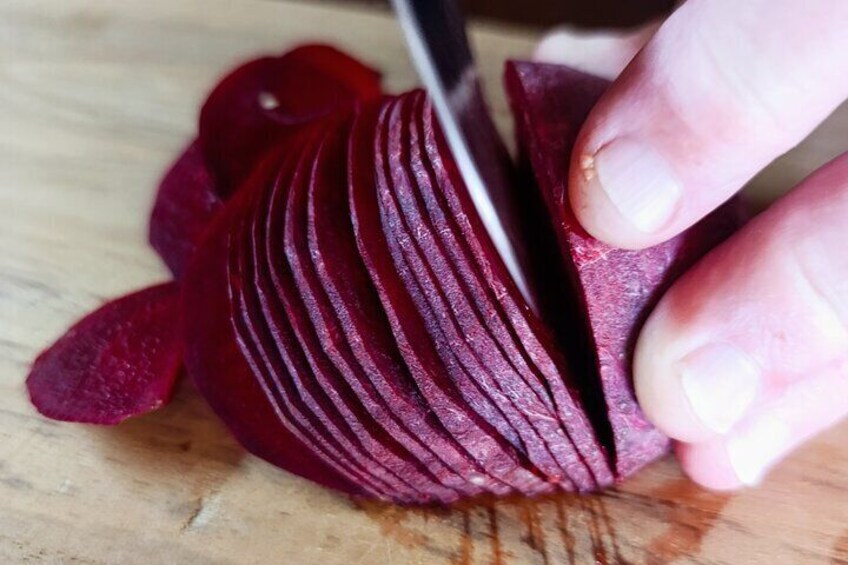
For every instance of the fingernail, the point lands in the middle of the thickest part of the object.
(720, 381)
(638, 181)
(754, 450)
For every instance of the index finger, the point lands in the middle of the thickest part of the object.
(722, 89)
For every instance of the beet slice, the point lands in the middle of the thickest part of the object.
(520, 336)
(364, 324)
(474, 316)
(233, 387)
(259, 346)
(335, 398)
(322, 392)
(266, 336)
(495, 456)
(117, 362)
(524, 336)
(402, 454)
(362, 347)
(422, 286)
(266, 101)
(617, 288)
(489, 293)
(185, 204)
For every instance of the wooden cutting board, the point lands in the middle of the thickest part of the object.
(96, 97)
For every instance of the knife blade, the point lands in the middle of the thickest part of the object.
(438, 43)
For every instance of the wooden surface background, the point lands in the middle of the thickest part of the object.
(546, 13)
(96, 97)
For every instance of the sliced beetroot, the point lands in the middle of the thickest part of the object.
(423, 287)
(268, 100)
(518, 334)
(236, 389)
(119, 361)
(399, 452)
(345, 312)
(259, 326)
(526, 337)
(185, 204)
(360, 335)
(466, 304)
(365, 326)
(266, 335)
(322, 391)
(617, 288)
(495, 456)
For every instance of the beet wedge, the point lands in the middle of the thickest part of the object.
(266, 102)
(524, 340)
(119, 361)
(616, 288)
(185, 204)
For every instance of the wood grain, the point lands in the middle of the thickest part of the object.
(96, 98)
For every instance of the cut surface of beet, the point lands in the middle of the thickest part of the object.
(266, 101)
(477, 319)
(522, 336)
(323, 393)
(502, 472)
(364, 324)
(119, 361)
(536, 345)
(617, 288)
(215, 359)
(267, 336)
(328, 346)
(185, 204)
(421, 284)
(356, 332)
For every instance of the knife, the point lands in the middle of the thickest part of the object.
(437, 41)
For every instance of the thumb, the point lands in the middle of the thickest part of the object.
(722, 89)
(747, 355)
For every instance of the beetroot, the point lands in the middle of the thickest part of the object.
(356, 401)
(528, 341)
(345, 312)
(334, 336)
(436, 381)
(266, 101)
(214, 357)
(525, 403)
(616, 288)
(185, 204)
(365, 328)
(119, 361)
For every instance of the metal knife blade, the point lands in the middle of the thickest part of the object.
(436, 37)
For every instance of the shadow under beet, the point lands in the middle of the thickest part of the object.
(179, 438)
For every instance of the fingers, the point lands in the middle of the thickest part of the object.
(736, 346)
(769, 433)
(721, 89)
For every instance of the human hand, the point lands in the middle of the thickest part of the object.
(746, 357)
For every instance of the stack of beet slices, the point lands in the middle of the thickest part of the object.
(345, 313)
